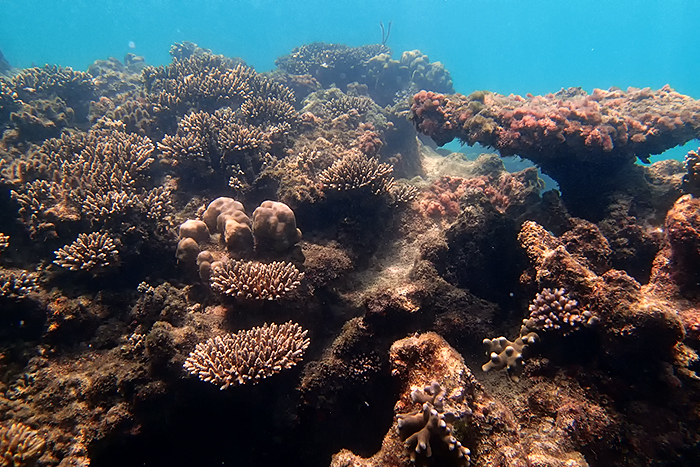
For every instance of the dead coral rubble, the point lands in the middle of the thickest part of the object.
(248, 356)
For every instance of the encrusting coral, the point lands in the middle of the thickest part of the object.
(89, 252)
(248, 356)
(253, 280)
(19, 445)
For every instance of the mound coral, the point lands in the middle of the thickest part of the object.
(248, 356)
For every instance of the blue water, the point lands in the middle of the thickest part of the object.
(506, 46)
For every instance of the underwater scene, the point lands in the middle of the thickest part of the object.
(362, 233)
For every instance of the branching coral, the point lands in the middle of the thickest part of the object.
(100, 174)
(330, 63)
(555, 310)
(356, 171)
(17, 284)
(19, 445)
(88, 252)
(4, 241)
(248, 356)
(504, 354)
(430, 421)
(256, 281)
(200, 82)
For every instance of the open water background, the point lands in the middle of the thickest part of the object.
(506, 46)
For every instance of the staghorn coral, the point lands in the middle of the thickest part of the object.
(504, 354)
(17, 284)
(19, 445)
(42, 118)
(89, 252)
(355, 171)
(248, 356)
(554, 309)
(257, 281)
(53, 80)
(207, 145)
(344, 104)
(429, 421)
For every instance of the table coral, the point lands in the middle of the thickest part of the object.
(248, 356)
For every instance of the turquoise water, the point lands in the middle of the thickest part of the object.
(506, 46)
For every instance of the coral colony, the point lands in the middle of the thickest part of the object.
(152, 244)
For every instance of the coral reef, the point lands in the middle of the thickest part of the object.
(248, 356)
(136, 179)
